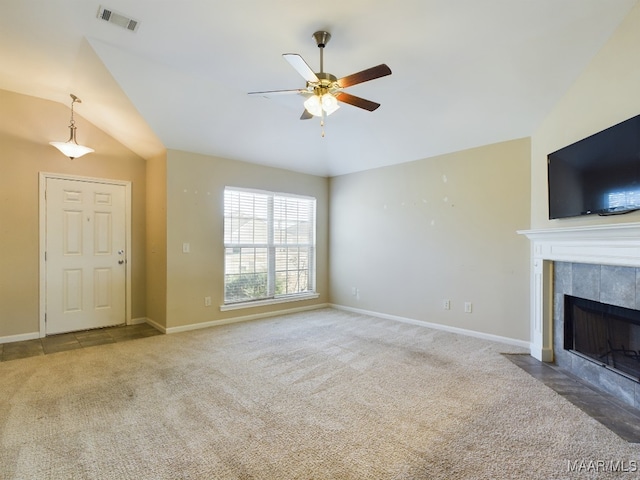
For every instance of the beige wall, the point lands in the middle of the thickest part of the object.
(411, 235)
(195, 188)
(27, 125)
(156, 244)
(605, 94)
(402, 235)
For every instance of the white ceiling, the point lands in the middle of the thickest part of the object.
(465, 72)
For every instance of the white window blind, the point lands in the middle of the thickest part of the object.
(269, 241)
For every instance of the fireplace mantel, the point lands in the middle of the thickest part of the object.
(615, 244)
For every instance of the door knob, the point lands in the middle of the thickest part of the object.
(120, 262)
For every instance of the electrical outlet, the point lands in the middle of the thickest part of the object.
(468, 307)
(354, 291)
(446, 304)
(207, 301)
(186, 247)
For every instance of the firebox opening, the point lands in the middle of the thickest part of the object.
(605, 334)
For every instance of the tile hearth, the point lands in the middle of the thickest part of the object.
(618, 417)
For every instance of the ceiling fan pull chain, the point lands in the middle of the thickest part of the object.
(322, 124)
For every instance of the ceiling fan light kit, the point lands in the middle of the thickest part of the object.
(324, 90)
(317, 105)
(71, 148)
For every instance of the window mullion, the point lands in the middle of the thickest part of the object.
(271, 249)
(311, 239)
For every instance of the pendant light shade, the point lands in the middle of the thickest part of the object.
(71, 148)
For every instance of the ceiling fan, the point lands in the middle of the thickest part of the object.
(324, 90)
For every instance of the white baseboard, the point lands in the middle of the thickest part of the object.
(20, 338)
(245, 318)
(438, 326)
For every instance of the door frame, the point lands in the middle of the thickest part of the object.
(43, 177)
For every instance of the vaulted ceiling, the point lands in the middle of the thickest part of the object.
(465, 72)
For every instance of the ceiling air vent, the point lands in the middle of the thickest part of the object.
(118, 19)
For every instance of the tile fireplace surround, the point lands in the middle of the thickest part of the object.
(599, 262)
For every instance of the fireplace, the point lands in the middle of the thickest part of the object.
(599, 263)
(605, 334)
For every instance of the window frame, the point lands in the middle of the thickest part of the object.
(271, 247)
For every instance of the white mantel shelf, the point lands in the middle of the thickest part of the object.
(627, 230)
(615, 244)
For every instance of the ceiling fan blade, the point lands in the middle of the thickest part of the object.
(364, 76)
(305, 115)
(357, 101)
(269, 93)
(297, 62)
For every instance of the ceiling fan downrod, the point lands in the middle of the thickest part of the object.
(322, 38)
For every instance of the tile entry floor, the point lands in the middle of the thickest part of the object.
(74, 340)
(620, 418)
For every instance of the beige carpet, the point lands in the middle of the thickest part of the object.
(320, 395)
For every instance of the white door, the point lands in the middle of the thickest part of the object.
(85, 255)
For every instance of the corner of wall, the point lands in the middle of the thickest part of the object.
(156, 241)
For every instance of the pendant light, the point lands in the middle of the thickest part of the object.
(70, 148)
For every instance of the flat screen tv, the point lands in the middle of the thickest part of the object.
(599, 175)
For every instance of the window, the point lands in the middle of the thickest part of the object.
(622, 200)
(269, 244)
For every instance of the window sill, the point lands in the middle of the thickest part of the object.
(270, 301)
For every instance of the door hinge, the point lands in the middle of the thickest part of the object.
(45, 256)
(45, 318)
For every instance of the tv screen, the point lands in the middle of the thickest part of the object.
(597, 175)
